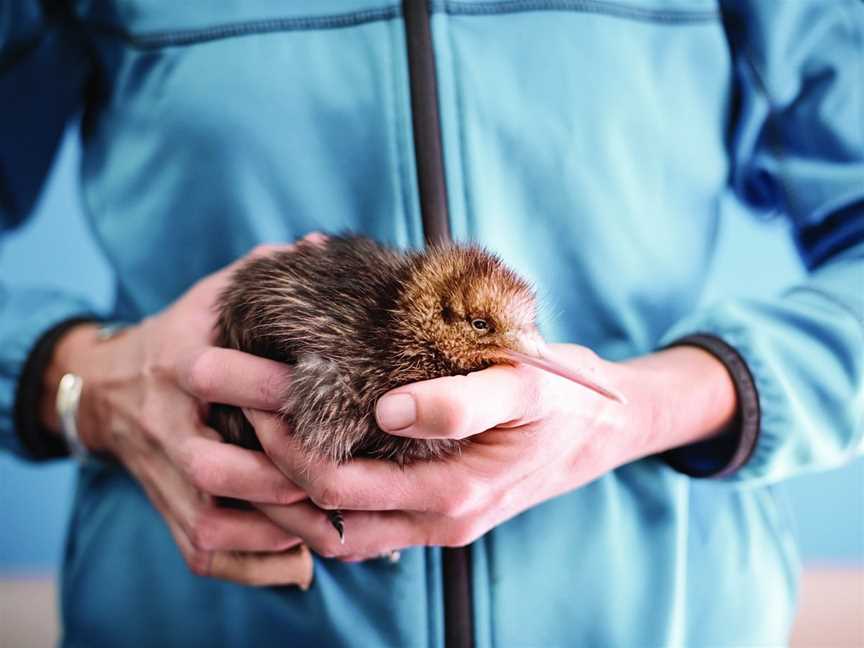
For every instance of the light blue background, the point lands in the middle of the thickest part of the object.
(55, 247)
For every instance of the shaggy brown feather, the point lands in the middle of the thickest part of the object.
(357, 319)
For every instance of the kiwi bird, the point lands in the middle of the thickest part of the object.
(356, 319)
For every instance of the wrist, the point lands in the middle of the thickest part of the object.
(682, 395)
(73, 353)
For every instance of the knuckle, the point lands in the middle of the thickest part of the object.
(588, 361)
(326, 496)
(329, 548)
(461, 535)
(157, 365)
(203, 533)
(455, 418)
(198, 562)
(287, 494)
(273, 389)
(589, 355)
(202, 375)
(262, 249)
(535, 386)
(315, 238)
(468, 498)
(205, 475)
(451, 504)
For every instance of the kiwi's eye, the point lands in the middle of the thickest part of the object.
(480, 325)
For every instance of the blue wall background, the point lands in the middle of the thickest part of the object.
(55, 247)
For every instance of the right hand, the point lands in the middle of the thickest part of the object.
(145, 404)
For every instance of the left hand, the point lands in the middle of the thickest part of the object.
(533, 436)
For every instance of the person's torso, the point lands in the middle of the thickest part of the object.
(584, 141)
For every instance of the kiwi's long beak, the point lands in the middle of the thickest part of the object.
(531, 349)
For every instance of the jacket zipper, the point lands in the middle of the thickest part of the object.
(428, 152)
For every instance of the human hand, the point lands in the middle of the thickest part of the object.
(145, 404)
(534, 436)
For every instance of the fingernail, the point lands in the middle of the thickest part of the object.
(396, 412)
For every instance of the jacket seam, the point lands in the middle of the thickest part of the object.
(773, 139)
(602, 7)
(840, 304)
(857, 438)
(402, 145)
(458, 93)
(178, 38)
(859, 33)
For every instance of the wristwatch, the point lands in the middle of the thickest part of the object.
(68, 398)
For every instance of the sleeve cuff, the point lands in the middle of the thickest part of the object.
(725, 454)
(39, 444)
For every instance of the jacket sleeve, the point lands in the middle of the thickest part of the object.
(43, 70)
(797, 147)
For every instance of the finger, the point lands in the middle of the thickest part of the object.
(368, 533)
(292, 567)
(197, 560)
(222, 529)
(279, 566)
(214, 282)
(225, 470)
(306, 521)
(364, 484)
(457, 407)
(231, 377)
(262, 250)
(209, 286)
(266, 249)
(207, 527)
(316, 238)
(391, 557)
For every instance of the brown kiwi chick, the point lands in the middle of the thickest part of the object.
(356, 319)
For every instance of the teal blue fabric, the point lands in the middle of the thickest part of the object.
(590, 142)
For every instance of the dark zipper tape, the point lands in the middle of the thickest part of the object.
(426, 122)
(458, 605)
(429, 155)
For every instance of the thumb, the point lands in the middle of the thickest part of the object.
(456, 407)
